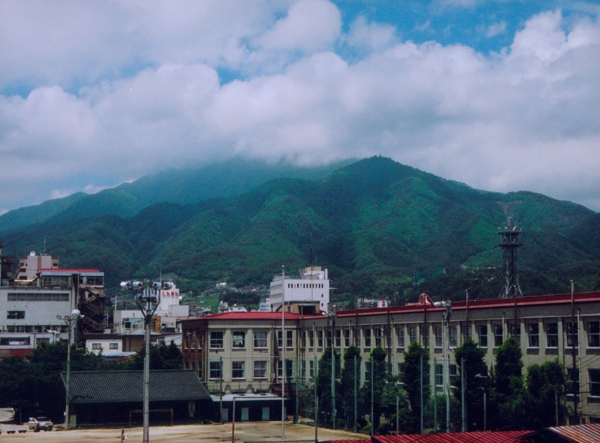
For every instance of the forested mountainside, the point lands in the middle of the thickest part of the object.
(372, 223)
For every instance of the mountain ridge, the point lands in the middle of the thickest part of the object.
(372, 223)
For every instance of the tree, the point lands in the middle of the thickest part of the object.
(473, 370)
(508, 407)
(415, 375)
(372, 390)
(324, 380)
(545, 387)
(161, 357)
(350, 384)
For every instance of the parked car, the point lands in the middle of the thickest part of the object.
(40, 424)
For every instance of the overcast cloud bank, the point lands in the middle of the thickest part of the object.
(98, 93)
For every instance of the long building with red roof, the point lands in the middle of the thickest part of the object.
(237, 352)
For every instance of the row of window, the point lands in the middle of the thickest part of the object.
(238, 369)
(305, 285)
(99, 346)
(238, 339)
(38, 296)
(409, 334)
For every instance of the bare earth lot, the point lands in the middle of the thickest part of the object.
(244, 432)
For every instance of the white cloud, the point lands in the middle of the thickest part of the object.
(525, 118)
(496, 29)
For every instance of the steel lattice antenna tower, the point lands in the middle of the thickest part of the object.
(510, 241)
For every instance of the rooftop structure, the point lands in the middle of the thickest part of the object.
(308, 293)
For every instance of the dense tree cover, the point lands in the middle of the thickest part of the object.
(328, 381)
(472, 370)
(350, 385)
(371, 393)
(415, 375)
(372, 224)
(31, 384)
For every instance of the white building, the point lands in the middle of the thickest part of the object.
(309, 293)
(166, 318)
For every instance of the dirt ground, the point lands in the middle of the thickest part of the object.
(244, 432)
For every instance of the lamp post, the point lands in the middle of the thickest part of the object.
(148, 299)
(70, 320)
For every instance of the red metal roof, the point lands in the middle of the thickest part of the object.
(70, 270)
(550, 299)
(458, 437)
(254, 315)
(589, 433)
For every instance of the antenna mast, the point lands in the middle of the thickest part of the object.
(511, 239)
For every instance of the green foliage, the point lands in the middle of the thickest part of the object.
(546, 386)
(325, 378)
(371, 393)
(161, 357)
(415, 376)
(350, 384)
(473, 370)
(371, 223)
(509, 399)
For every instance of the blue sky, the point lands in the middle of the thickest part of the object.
(501, 95)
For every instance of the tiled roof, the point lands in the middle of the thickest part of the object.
(127, 386)
(458, 437)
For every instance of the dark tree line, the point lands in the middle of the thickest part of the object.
(31, 384)
(504, 398)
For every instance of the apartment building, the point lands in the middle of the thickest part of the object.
(237, 353)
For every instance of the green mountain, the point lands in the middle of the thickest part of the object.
(186, 186)
(372, 223)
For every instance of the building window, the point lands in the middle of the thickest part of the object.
(572, 381)
(215, 369)
(552, 334)
(15, 315)
(533, 332)
(452, 336)
(239, 339)
(320, 337)
(260, 369)
(338, 338)
(483, 336)
(378, 336)
(96, 347)
(412, 334)
(260, 339)
(400, 337)
(498, 335)
(439, 377)
(594, 382)
(311, 369)
(593, 333)
(238, 369)
(437, 332)
(288, 369)
(216, 339)
(113, 346)
(367, 337)
(346, 337)
(572, 334)
(289, 339)
(311, 339)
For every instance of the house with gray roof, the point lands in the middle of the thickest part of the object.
(116, 397)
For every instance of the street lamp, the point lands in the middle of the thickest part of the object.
(70, 320)
(148, 299)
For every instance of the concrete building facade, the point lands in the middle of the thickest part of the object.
(242, 352)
